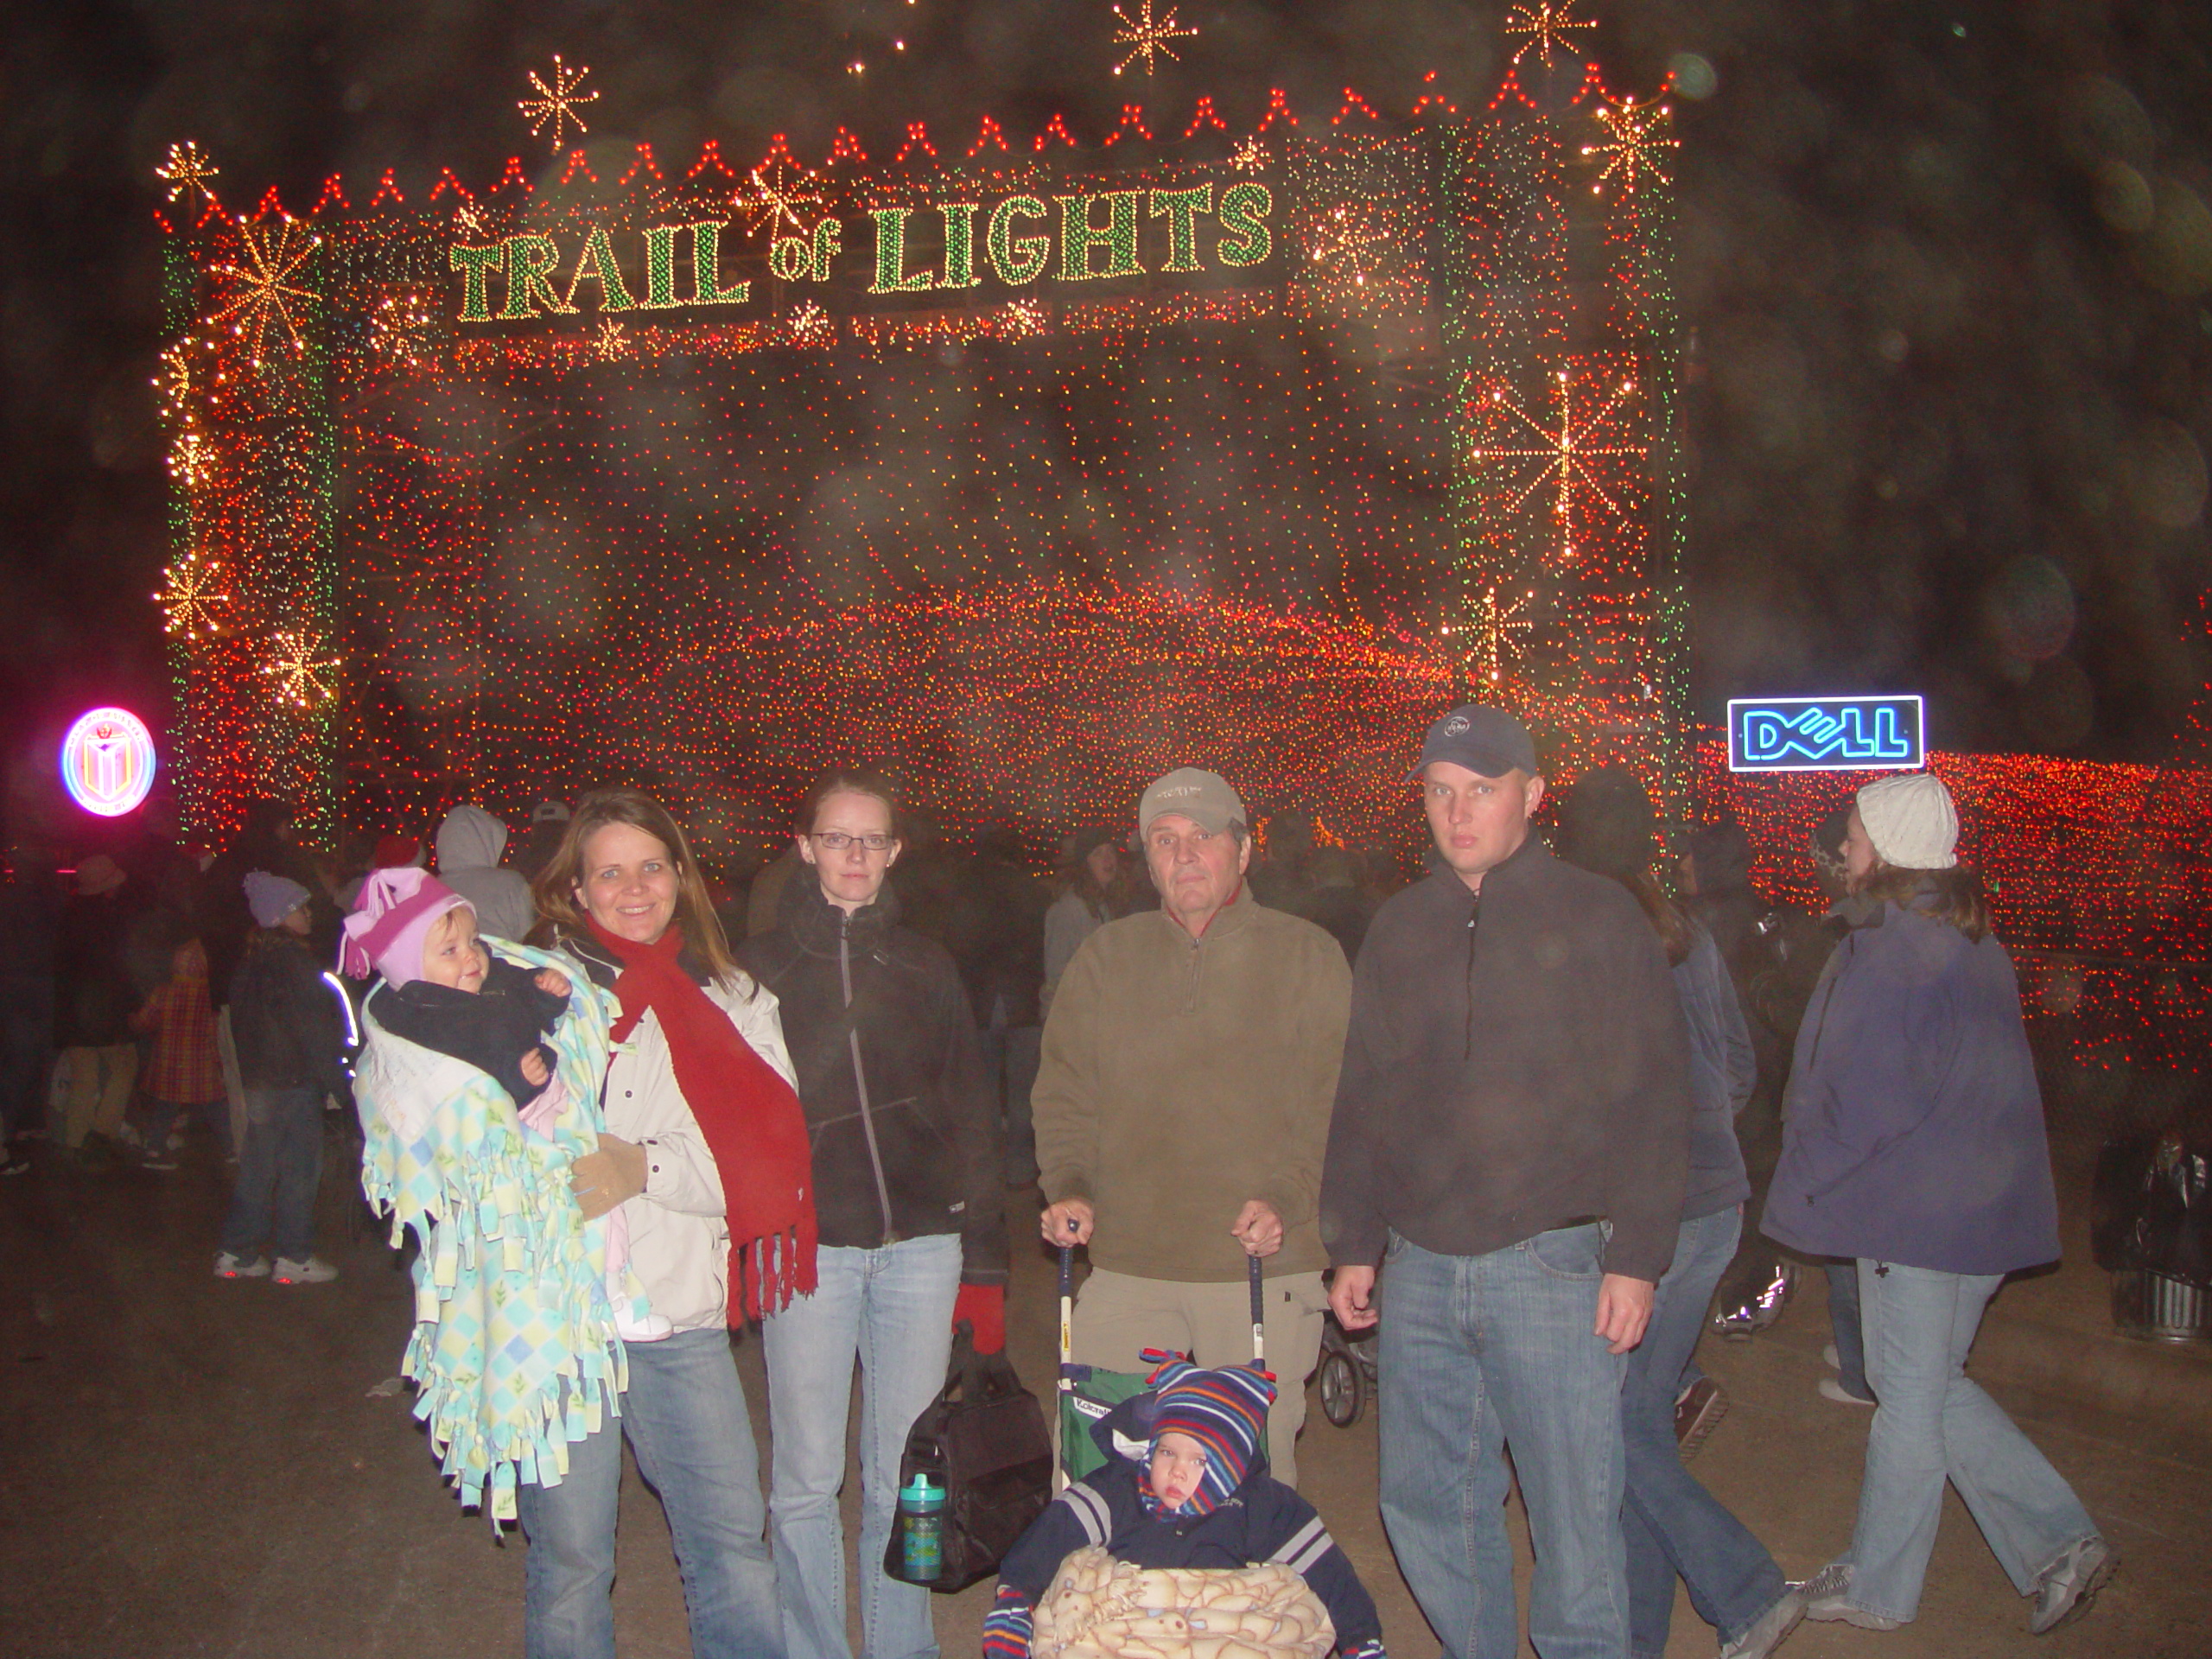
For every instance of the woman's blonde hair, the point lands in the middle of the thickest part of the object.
(1960, 897)
(556, 886)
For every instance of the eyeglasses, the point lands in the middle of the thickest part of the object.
(836, 840)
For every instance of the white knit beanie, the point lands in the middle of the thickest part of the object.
(1911, 820)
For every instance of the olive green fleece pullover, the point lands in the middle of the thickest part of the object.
(1182, 1077)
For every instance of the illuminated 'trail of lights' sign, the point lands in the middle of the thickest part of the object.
(1824, 733)
(107, 761)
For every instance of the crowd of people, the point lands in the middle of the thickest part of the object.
(1543, 1118)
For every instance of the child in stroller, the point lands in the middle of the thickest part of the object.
(1182, 1539)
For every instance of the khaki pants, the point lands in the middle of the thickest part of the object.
(93, 1086)
(1116, 1315)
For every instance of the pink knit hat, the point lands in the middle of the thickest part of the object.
(389, 922)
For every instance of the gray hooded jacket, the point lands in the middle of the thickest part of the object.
(470, 842)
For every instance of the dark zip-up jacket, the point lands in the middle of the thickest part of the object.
(285, 1019)
(1913, 1128)
(1516, 1063)
(904, 1123)
(1263, 1521)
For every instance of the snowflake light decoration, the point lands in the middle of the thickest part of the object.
(192, 461)
(298, 668)
(188, 600)
(1548, 26)
(1565, 452)
(1344, 242)
(264, 293)
(784, 198)
(1250, 156)
(467, 220)
(1025, 318)
(556, 104)
(811, 325)
(187, 169)
(403, 331)
(1637, 139)
(612, 341)
(1145, 35)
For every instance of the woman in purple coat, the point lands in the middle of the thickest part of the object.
(1914, 1142)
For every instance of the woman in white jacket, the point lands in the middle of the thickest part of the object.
(706, 1152)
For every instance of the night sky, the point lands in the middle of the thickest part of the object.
(1946, 272)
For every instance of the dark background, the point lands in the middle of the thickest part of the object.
(1943, 269)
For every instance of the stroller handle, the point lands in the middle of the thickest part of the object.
(1259, 1313)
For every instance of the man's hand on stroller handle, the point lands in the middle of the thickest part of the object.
(1066, 1223)
(1258, 1228)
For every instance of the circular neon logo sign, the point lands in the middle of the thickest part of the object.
(107, 761)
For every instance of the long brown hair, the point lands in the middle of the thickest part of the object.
(555, 889)
(1958, 896)
(1669, 919)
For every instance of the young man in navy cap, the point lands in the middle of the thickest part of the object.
(1509, 1143)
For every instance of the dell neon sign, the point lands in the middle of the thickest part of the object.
(1824, 733)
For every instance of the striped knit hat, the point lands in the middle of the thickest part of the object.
(1224, 1411)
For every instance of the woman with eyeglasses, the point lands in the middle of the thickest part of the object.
(904, 1130)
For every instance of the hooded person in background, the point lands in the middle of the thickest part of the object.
(470, 842)
(291, 1050)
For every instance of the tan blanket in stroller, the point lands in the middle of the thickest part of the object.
(1100, 1608)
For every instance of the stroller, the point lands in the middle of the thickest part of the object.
(1088, 1392)
(1347, 1372)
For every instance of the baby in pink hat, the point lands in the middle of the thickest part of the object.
(445, 992)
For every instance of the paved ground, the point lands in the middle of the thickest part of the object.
(198, 1467)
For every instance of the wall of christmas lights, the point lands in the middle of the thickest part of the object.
(1031, 464)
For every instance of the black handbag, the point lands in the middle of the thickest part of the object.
(983, 1440)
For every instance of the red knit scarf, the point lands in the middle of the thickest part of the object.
(750, 1116)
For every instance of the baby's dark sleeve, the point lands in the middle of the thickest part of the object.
(1308, 1550)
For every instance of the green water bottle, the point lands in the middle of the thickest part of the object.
(921, 1529)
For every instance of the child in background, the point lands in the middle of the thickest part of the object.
(1201, 1499)
(285, 1022)
(185, 1072)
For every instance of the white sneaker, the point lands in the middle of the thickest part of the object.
(1830, 1358)
(312, 1271)
(228, 1266)
(1830, 1389)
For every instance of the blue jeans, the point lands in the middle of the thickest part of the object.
(1671, 1524)
(1483, 1352)
(1932, 1423)
(684, 1415)
(280, 1167)
(1843, 1319)
(891, 1309)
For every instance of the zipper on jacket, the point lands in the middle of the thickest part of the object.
(1474, 926)
(860, 1074)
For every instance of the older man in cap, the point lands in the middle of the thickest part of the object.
(1509, 1143)
(1182, 1107)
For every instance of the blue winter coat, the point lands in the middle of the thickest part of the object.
(1913, 1127)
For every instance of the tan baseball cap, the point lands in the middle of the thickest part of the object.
(1205, 798)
